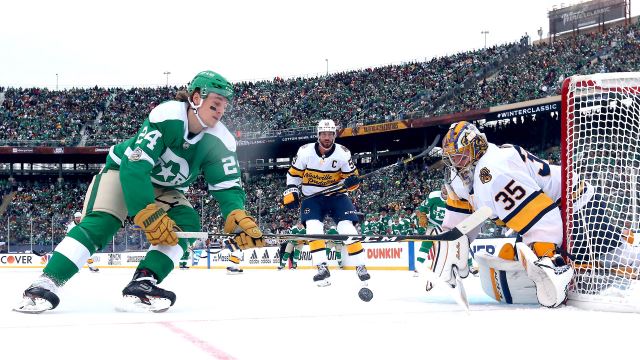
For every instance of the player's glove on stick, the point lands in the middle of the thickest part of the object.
(351, 183)
(291, 197)
(157, 225)
(248, 234)
(422, 219)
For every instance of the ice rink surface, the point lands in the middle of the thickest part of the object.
(265, 314)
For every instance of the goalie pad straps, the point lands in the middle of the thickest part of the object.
(449, 254)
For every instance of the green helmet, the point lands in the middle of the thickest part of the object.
(211, 82)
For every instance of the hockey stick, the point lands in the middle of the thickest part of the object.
(340, 186)
(214, 249)
(464, 227)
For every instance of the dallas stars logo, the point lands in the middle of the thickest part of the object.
(170, 170)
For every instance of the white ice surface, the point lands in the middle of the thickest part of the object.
(265, 314)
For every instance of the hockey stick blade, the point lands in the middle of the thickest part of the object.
(464, 227)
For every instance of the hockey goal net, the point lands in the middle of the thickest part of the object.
(601, 189)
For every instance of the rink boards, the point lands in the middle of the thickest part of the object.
(378, 256)
(381, 256)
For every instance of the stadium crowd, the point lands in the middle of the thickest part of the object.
(476, 79)
(509, 73)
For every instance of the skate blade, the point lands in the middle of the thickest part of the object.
(133, 304)
(33, 306)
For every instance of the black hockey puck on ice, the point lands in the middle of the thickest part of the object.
(365, 294)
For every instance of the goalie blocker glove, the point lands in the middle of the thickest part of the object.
(451, 256)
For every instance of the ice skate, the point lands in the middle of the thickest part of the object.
(234, 270)
(322, 277)
(39, 297)
(143, 295)
(363, 274)
(93, 269)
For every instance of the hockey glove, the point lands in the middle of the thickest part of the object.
(291, 197)
(422, 219)
(248, 234)
(351, 183)
(157, 225)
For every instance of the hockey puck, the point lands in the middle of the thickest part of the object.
(365, 294)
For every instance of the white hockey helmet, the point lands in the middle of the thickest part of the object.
(326, 125)
(77, 214)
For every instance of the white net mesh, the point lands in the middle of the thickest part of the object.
(601, 171)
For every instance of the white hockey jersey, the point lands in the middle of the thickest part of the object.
(315, 172)
(522, 190)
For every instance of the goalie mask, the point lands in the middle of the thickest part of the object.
(326, 126)
(462, 147)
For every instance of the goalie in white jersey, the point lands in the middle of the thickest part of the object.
(522, 191)
(317, 166)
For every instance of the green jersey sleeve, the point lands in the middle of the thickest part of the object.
(222, 173)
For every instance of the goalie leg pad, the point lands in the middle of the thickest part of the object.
(550, 275)
(505, 280)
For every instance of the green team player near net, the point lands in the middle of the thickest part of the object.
(145, 177)
(293, 247)
(431, 214)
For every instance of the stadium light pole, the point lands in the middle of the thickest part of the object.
(485, 32)
(167, 73)
(327, 61)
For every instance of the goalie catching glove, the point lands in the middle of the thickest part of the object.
(547, 270)
(291, 197)
(158, 227)
(248, 235)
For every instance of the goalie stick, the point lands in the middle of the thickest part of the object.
(464, 227)
(340, 186)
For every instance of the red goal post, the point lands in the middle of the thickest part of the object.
(600, 153)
